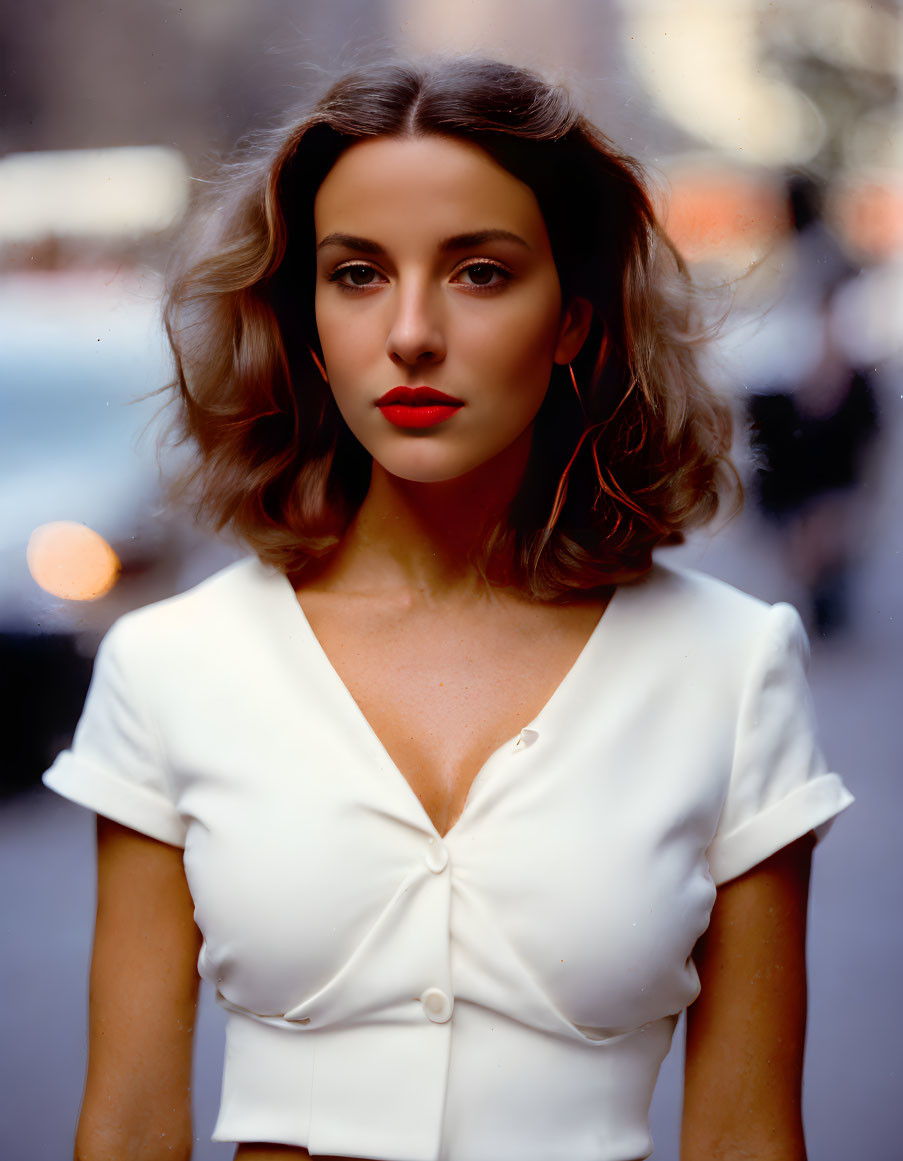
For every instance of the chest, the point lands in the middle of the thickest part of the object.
(578, 852)
(443, 689)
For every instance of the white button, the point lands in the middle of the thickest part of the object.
(437, 1005)
(436, 857)
(525, 738)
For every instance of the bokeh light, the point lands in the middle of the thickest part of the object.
(87, 192)
(718, 214)
(72, 561)
(701, 62)
(867, 211)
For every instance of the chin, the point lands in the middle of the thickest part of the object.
(426, 474)
(431, 460)
(428, 463)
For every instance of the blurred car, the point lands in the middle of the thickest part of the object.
(80, 354)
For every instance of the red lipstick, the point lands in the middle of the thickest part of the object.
(417, 407)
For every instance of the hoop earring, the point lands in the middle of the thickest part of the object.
(576, 388)
(320, 367)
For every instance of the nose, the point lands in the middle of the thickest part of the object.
(417, 332)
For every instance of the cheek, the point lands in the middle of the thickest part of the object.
(330, 327)
(353, 341)
(519, 346)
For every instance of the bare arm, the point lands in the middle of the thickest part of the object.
(143, 998)
(746, 1032)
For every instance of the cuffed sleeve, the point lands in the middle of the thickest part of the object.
(780, 787)
(116, 765)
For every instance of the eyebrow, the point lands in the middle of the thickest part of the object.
(447, 245)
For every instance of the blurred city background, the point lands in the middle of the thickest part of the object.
(774, 142)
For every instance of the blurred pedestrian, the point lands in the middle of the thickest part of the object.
(815, 428)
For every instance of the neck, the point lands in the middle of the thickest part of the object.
(424, 536)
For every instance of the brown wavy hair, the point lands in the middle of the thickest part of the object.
(630, 447)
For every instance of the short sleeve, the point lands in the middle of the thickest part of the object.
(780, 787)
(115, 766)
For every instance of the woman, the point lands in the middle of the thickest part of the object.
(454, 766)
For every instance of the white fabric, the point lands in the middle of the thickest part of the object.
(508, 991)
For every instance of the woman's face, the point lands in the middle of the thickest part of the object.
(438, 304)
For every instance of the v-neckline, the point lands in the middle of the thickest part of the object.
(558, 694)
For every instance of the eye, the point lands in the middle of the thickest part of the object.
(355, 275)
(485, 275)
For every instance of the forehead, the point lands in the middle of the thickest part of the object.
(410, 186)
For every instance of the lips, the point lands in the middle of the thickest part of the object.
(417, 407)
(418, 397)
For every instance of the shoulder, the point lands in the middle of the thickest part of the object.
(686, 614)
(208, 618)
(684, 594)
(207, 602)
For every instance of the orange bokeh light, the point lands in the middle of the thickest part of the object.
(72, 561)
(714, 214)
(869, 213)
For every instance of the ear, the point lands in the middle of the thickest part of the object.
(575, 324)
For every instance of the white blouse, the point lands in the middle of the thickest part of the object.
(509, 990)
